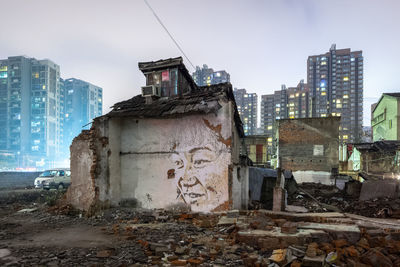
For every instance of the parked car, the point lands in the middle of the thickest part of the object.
(54, 178)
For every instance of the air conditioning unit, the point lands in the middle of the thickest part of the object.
(151, 90)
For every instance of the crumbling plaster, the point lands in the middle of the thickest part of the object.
(163, 162)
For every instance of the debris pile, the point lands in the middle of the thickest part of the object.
(322, 198)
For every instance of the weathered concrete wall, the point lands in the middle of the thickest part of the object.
(313, 177)
(160, 163)
(378, 163)
(81, 193)
(309, 144)
(185, 160)
(17, 179)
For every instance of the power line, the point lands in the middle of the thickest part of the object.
(170, 35)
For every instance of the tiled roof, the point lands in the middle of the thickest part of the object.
(204, 100)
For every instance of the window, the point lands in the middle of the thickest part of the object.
(390, 124)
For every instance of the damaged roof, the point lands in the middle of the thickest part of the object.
(205, 100)
(383, 146)
(164, 64)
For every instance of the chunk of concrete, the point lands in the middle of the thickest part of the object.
(274, 239)
(337, 231)
(4, 252)
(317, 261)
(27, 210)
(226, 221)
(298, 209)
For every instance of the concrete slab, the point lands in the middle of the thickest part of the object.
(273, 239)
(4, 253)
(27, 210)
(387, 224)
(224, 221)
(298, 209)
(307, 217)
(337, 231)
(314, 261)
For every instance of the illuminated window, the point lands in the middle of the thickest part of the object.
(345, 137)
(36, 75)
(291, 96)
(323, 115)
(3, 68)
(345, 78)
(323, 93)
(269, 127)
(269, 139)
(44, 87)
(345, 96)
(338, 105)
(323, 63)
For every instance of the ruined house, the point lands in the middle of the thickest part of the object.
(175, 144)
(309, 147)
(379, 159)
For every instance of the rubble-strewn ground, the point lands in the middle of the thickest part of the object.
(333, 199)
(35, 233)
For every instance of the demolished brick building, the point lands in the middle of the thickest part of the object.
(309, 147)
(174, 144)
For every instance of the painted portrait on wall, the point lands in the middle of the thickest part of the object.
(201, 170)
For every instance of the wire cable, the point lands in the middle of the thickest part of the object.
(170, 35)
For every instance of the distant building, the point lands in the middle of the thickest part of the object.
(385, 120)
(292, 102)
(336, 80)
(207, 76)
(83, 102)
(309, 148)
(257, 147)
(30, 110)
(247, 107)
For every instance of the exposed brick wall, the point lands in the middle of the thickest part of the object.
(301, 140)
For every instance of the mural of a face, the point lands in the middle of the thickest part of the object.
(201, 174)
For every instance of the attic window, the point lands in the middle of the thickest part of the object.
(166, 79)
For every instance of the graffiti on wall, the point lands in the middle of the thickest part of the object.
(201, 172)
(177, 161)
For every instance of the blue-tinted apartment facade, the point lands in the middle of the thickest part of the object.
(83, 103)
(33, 106)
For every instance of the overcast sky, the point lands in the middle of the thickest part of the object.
(262, 44)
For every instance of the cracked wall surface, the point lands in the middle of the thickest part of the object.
(159, 163)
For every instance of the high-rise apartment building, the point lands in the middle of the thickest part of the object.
(292, 102)
(247, 107)
(30, 109)
(83, 102)
(207, 76)
(336, 80)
